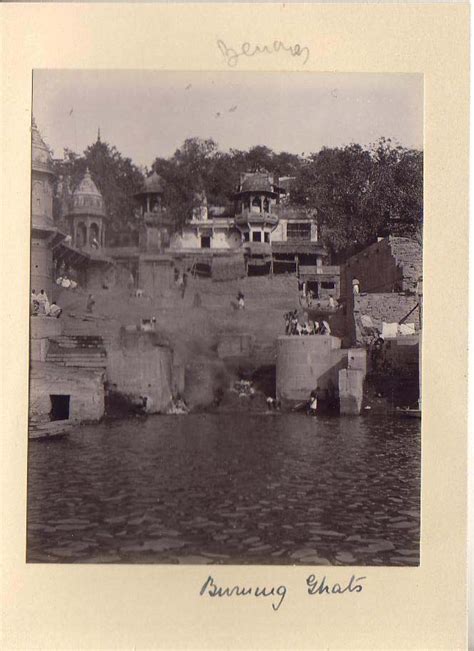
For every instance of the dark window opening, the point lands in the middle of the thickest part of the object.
(246, 236)
(284, 266)
(327, 285)
(266, 237)
(314, 287)
(258, 269)
(298, 231)
(256, 236)
(205, 242)
(59, 407)
(201, 270)
(308, 260)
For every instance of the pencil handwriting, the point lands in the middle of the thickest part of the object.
(232, 55)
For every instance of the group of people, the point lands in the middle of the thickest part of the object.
(309, 298)
(40, 305)
(66, 282)
(294, 327)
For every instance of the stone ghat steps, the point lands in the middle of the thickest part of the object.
(77, 360)
(79, 363)
(78, 341)
(107, 333)
(77, 350)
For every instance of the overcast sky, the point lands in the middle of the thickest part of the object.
(147, 114)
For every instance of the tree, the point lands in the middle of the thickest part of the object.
(186, 176)
(362, 193)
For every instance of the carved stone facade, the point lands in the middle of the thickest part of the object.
(43, 230)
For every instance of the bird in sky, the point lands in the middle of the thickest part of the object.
(70, 112)
(234, 108)
(188, 87)
(218, 115)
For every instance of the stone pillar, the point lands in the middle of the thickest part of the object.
(357, 360)
(88, 227)
(351, 386)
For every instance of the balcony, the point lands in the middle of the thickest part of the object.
(256, 218)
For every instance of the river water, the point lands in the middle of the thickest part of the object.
(233, 488)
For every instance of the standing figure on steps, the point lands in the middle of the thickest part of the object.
(241, 301)
(184, 283)
(90, 303)
(313, 401)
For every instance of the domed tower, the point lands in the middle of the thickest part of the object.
(43, 229)
(255, 200)
(87, 216)
(154, 233)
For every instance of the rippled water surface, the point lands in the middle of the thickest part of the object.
(228, 489)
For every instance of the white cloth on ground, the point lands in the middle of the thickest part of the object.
(406, 329)
(389, 329)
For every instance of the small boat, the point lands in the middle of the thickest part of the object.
(49, 429)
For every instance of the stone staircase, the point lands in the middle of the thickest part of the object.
(85, 351)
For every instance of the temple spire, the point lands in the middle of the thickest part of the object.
(98, 134)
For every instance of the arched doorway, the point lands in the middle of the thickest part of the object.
(81, 235)
(94, 236)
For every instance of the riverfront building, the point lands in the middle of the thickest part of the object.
(261, 234)
(66, 379)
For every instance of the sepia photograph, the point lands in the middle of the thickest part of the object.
(226, 316)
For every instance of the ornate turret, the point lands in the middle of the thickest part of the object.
(87, 216)
(150, 195)
(155, 227)
(255, 199)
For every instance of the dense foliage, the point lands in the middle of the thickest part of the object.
(359, 193)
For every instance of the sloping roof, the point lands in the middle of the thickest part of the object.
(298, 247)
(87, 186)
(86, 198)
(152, 184)
(257, 183)
(41, 160)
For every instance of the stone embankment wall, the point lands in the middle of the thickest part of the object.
(85, 388)
(41, 329)
(139, 367)
(303, 363)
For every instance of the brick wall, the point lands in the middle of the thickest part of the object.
(392, 265)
